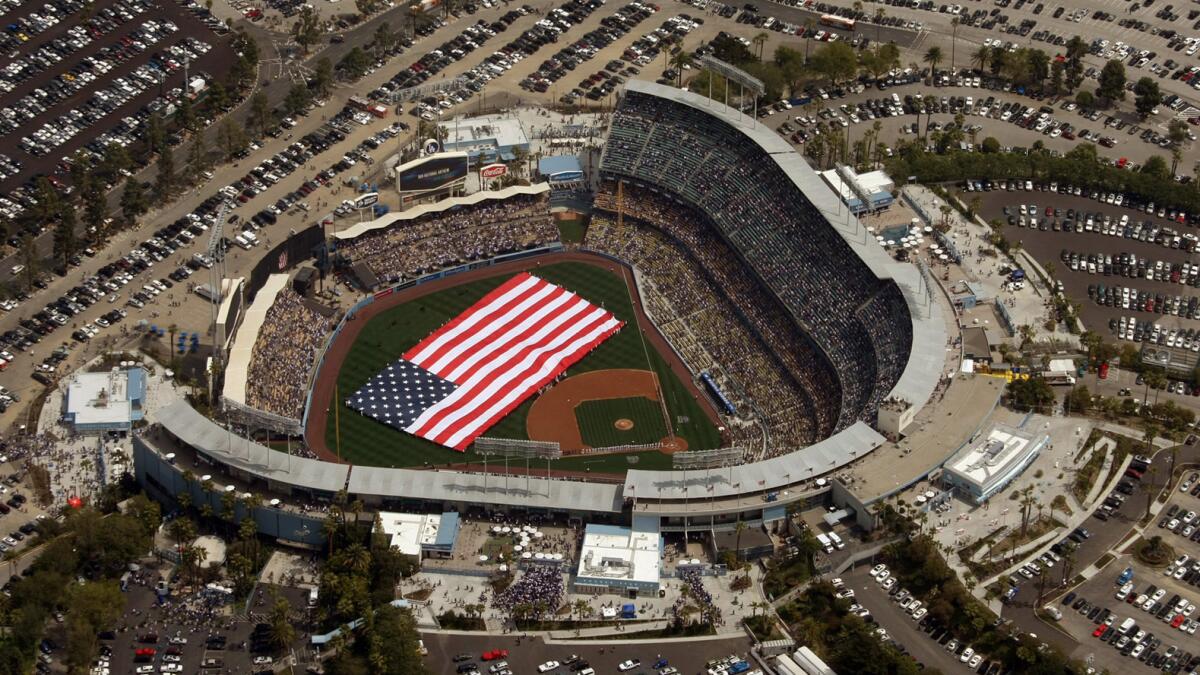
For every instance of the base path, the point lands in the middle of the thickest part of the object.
(552, 416)
(322, 397)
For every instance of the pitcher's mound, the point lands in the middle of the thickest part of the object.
(674, 444)
(623, 424)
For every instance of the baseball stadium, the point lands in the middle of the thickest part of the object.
(757, 332)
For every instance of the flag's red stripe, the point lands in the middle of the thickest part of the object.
(576, 302)
(501, 369)
(511, 378)
(531, 386)
(483, 302)
(504, 336)
(494, 320)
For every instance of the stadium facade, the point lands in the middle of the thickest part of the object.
(879, 333)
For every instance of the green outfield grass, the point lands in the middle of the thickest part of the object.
(596, 418)
(388, 335)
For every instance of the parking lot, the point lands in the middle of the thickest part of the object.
(914, 635)
(1140, 617)
(1155, 249)
(196, 633)
(86, 83)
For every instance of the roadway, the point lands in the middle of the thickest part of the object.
(1105, 535)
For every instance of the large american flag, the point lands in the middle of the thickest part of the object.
(456, 383)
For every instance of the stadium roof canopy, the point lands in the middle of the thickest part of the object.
(238, 452)
(237, 372)
(475, 488)
(776, 473)
(924, 367)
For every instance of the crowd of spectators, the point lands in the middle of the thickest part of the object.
(696, 596)
(412, 248)
(859, 321)
(706, 309)
(539, 590)
(288, 343)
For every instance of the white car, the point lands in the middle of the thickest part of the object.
(847, 593)
(548, 666)
(975, 661)
(877, 569)
(966, 655)
(171, 668)
(628, 665)
(889, 583)
(919, 614)
(144, 670)
(262, 660)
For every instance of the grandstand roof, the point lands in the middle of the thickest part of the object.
(394, 217)
(548, 166)
(238, 370)
(924, 367)
(213, 440)
(476, 488)
(775, 473)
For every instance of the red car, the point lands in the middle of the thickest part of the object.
(1099, 631)
(1176, 621)
(495, 654)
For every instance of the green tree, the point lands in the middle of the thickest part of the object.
(1076, 50)
(933, 56)
(836, 61)
(1085, 99)
(1057, 83)
(1146, 96)
(230, 138)
(133, 201)
(197, 157)
(354, 63)
(981, 57)
(93, 606)
(260, 111)
(991, 145)
(1039, 65)
(156, 134)
(95, 209)
(384, 39)
(30, 259)
(323, 76)
(216, 98)
(307, 31)
(297, 99)
(1156, 166)
(1112, 82)
(282, 632)
(185, 114)
(165, 183)
(65, 241)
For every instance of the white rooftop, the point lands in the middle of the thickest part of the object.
(410, 531)
(485, 132)
(876, 181)
(99, 398)
(839, 185)
(621, 553)
(991, 455)
(1062, 365)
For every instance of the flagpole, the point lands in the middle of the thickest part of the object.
(337, 428)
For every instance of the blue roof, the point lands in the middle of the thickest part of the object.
(137, 384)
(447, 531)
(548, 166)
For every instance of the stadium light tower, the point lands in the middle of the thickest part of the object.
(511, 447)
(216, 253)
(706, 460)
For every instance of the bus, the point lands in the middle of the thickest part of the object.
(837, 21)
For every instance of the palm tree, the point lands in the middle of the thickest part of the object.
(929, 100)
(879, 14)
(1027, 502)
(739, 529)
(678, 61)
(282, 632)
(980, 58)
(760, 41)
(810, 26)
(953, 41)
(933, 57)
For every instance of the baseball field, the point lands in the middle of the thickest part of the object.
(601, 422)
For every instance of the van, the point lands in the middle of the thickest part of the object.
(1126, 625)
(825, 542)
(250, 237)
(837, 541)
(241, 241)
